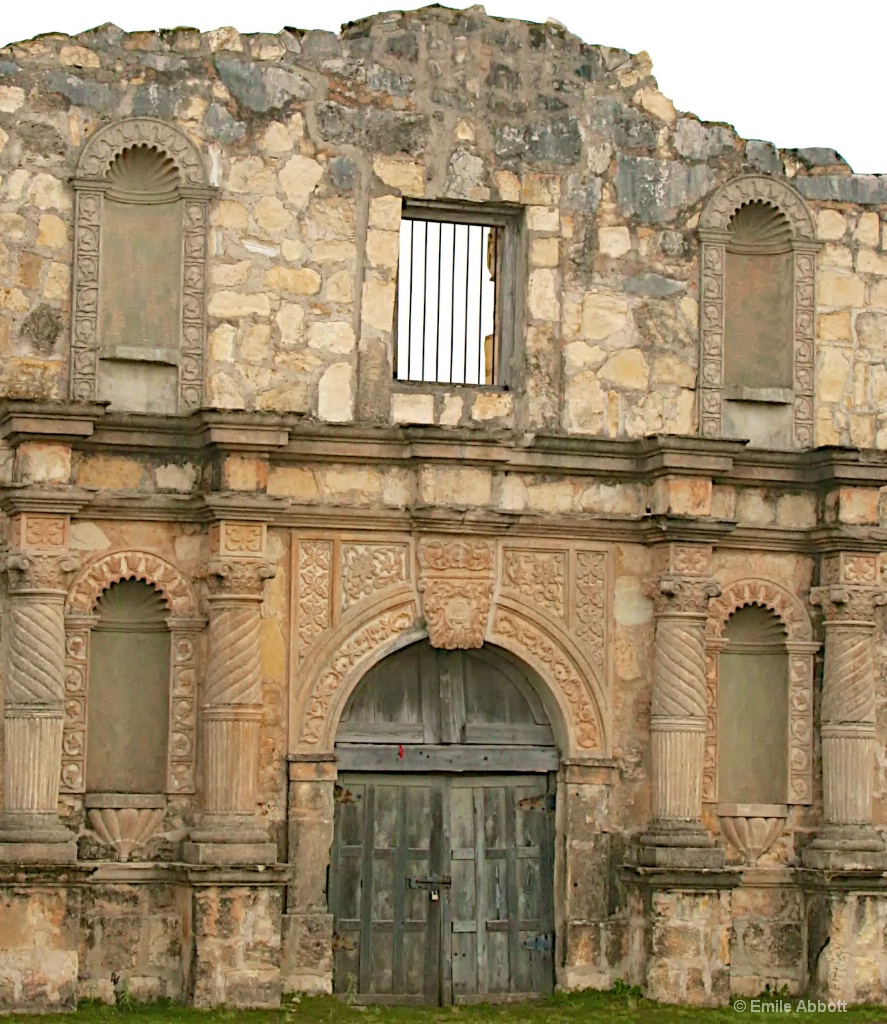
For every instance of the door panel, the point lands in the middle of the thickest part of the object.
(484, 937)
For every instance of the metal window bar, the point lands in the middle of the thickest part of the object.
(447, 302)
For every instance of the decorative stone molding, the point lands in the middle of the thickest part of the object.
(456, 583)
(368, 569)
(184, 622)
(537, 577)
(314, 591)
(800, 647)
(125, 821)
(752, 828)
(91, 183)
(714, 234)
(590, 622)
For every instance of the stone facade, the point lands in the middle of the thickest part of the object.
(301, 514)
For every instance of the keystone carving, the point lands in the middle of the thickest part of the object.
(456, 584)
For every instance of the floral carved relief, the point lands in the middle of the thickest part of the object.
(314, 564)
(538, 577)
(591, 605)
(456, 583)
(368, 569)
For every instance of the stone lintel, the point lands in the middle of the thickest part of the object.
(674, 878)
(230, 854)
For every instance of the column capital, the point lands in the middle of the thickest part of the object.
(28, 571)
(843, 602)
(238, 577)
(682, 595)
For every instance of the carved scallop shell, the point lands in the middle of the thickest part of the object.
(125, 828)
(143, 170)
(751, 836)
(759, 223)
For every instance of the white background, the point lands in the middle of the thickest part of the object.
(795, 72)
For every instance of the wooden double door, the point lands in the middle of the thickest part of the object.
(441, 887)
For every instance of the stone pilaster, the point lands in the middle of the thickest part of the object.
(848, 598)
(677, 838)
(229, 830)
(34, 689)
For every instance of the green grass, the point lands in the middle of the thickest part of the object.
(618, 1007)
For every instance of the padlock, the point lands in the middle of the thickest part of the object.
(434, 895)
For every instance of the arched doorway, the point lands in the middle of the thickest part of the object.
(442, 862)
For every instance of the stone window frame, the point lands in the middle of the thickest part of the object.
(90, 185)
(714, 234)
(512, 279)
(800, 648)
(184, 622)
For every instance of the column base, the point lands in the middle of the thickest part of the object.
(229, 839)
(679, 844)
(846, 848)
(35, 838)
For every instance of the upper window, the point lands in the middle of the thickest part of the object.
(455, 294)
(757, 313)
(140, 269)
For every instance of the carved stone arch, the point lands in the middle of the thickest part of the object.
(800, 646)
(105, 145)
(169, 357)
(184, 625)
(751, 188)
(714, 236)
(363, 636)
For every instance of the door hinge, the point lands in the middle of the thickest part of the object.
(429, 882)
(539, 943)
(543, 802)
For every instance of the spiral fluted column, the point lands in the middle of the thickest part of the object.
(677, 726)
(847, 838)
(229, 830)
(34, 689)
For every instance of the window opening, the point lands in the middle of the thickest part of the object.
(454, 282)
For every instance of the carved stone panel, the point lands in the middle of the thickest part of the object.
(314, 591)
(456, 583)
(536, 577)
(369, 569)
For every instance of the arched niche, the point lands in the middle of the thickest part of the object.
(779, 619)
(141, 195)
(758, 259)
(170, 598)
(424, 709)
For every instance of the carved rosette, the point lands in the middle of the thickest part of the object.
(713, 232)
(456, 583)
(90, 185)
(369, 569)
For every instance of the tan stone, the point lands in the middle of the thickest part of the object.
(227, 274)
(333, 252)
(831, 225)
(615, 241)
(543, 218)
(39, 463)
(839, 290)
(52, 232)
(492, 405)
(109, 472)
(753, 508)
(293, 250)
(412, 408)
(863, 429)
(671, 369)
(871, 263)
(299, 178)
(48, 193)
(508, 186)
(271, 215)
(175, 477)
(512, 493)
(340, 287)
(453, 406)
(11, 98)
(403, 174)
(231, 214)
(833, 326)
(879, 295)
(868, 230)
(377, 308)
(682, 496)
(367, 483)
(57, 285)
(584, 404)
(656, 104)
(857, 505)
(14, 299)
(832, 373)
(540, 189)
(545, 252)
(292, 482)
(603, 315)
(244, 473)
(256, 344)
(221, 343)
(627, 368)
(335, 394)
(250, 174)
(237, 304)
(276, 138)
(331, 335)
(291, 321)
(542, 295)
(557, 496)
(296, 280)
(78, 57)
(385, 213)
(459, 486)
(4, 138)
(383, 248)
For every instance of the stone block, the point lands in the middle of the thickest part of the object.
(307, 957)
(412, 408)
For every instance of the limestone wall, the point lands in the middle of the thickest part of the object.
(312, 140)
